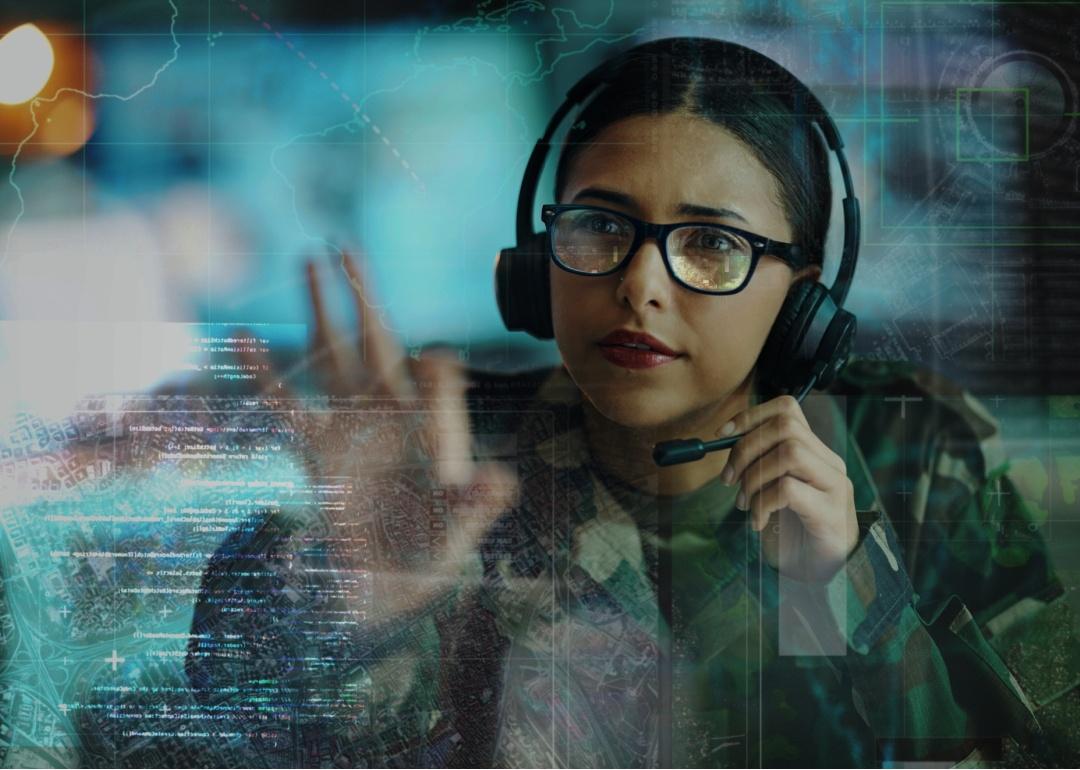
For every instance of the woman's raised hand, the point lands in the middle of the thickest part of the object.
(398, 432)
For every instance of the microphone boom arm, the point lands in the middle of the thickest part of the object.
(686, 450)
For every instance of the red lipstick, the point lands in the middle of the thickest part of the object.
(635, 350)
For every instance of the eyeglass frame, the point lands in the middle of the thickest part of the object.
(789, 253)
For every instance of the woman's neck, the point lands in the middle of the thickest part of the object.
(626, 452)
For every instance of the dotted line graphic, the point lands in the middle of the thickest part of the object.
(342, 94)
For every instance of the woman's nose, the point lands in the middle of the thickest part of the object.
(644, 279)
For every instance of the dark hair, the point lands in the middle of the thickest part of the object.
(737, 88)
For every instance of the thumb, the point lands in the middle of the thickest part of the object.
(441, 383)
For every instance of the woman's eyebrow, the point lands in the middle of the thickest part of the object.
(684, 209)
(611, 196)
(694, 210)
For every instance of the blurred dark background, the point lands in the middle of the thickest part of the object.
(228, 147)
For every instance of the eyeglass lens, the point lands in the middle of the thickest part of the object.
(705, 257)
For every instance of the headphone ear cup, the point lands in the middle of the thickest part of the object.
(797, 340)
(523, 287)
(771, 369)
(836, 346)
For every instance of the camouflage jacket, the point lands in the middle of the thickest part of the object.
(601, 626)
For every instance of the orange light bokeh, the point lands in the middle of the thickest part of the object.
(65, 120)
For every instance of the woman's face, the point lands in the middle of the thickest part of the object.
(669, 168)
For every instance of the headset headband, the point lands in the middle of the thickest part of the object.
(604, 73)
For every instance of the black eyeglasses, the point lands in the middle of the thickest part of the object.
(702, 256)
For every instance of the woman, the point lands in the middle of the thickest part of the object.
(546, 595)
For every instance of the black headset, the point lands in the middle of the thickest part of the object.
(811, 340)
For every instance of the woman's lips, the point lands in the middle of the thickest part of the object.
(634, 358)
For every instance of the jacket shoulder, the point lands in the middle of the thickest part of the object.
(888, 399)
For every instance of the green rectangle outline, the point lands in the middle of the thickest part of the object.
(884, 122)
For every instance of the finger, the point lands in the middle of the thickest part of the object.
(781, 408)
(761, 439)
(442, 382)
(799, 532)
(318, 311)
(325, 350)
(774, 545)
(334, 354)
(760, 413)
(790, 457)
(380, 352)
(810, 505)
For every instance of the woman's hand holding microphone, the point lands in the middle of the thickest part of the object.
(795, 488)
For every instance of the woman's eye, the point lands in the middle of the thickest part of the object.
(714, 241)
(604, 225)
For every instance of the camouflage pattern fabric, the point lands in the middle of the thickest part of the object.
(946, 637)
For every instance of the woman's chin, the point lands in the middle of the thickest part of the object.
(639, 403)
(640, 410)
